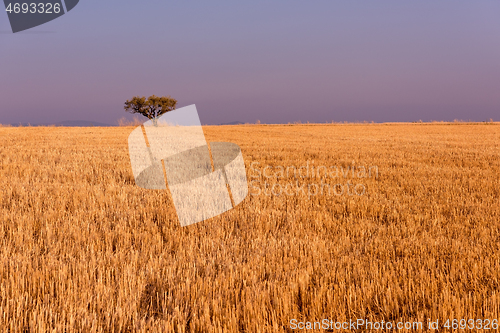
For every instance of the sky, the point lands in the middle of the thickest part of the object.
(274, 61)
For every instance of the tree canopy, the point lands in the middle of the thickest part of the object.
(152, 107)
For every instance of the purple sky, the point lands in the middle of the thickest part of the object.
(276, 61)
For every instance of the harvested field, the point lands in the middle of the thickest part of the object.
(85, 250)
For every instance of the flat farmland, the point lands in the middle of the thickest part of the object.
(380, 222)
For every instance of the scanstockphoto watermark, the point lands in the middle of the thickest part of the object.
(357, 324)
(310, 179)
(27, 14)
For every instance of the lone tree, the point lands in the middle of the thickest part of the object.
(152, 107)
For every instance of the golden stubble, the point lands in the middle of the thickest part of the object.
(85, 250)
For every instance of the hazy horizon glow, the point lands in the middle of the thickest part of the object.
(278, 62)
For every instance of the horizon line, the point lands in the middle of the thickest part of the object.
(297, 123)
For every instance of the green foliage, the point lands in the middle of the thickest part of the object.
(152, 107)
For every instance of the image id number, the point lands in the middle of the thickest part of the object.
(32, 8)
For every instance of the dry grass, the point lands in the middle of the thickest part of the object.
(124, 122)
(85, 250)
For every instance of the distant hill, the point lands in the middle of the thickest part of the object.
(82, 123)
(69, 123)
(233, 123)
